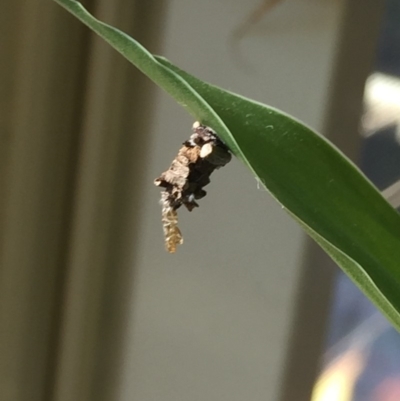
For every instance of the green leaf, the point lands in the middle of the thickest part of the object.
(315, 182)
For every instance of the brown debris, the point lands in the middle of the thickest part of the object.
(172, 234)
(189, 172)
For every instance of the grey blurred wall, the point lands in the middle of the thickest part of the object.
(213, 321)
(91, 306)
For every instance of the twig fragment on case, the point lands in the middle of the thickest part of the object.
(185, 179)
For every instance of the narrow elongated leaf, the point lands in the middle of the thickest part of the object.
(318, 185)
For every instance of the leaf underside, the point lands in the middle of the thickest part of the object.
(319, 187)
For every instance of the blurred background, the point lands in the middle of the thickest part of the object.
(91, 305)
